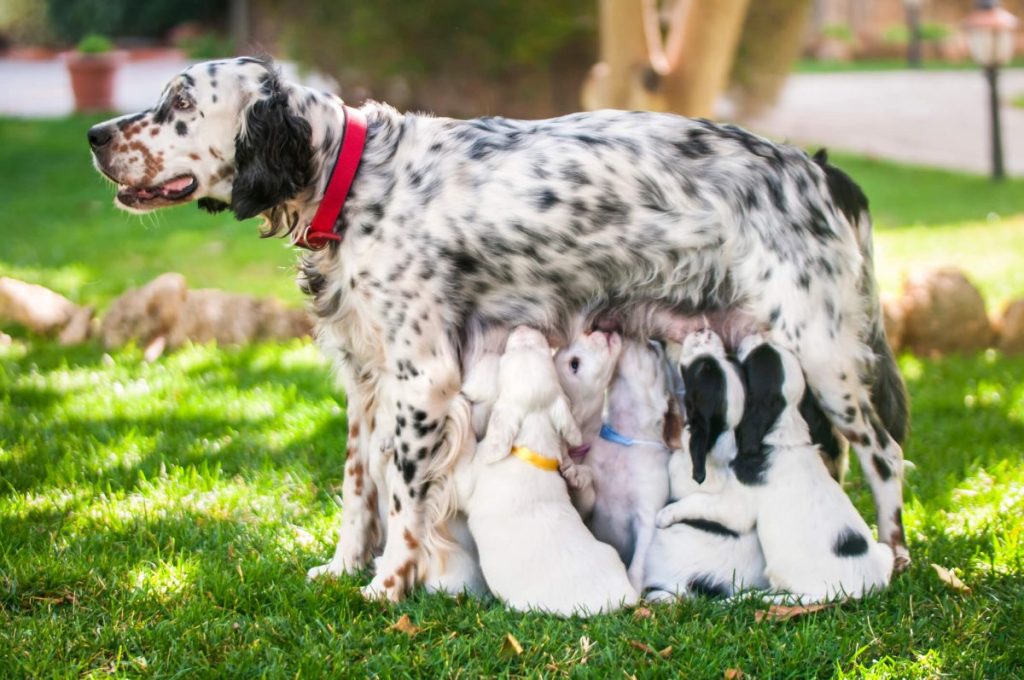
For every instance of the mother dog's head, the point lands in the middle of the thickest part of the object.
(230, 134)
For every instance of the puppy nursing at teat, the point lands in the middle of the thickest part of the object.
(693, 555)
(816, 546)
(535, 552)
(628, 461)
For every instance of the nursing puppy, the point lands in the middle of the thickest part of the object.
(697, 556)
(816, 546)
(535, 552)
(629, 461)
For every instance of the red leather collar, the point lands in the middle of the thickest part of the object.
(321, 230)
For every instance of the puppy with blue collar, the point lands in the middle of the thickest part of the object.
(629, 460)
(816, 545)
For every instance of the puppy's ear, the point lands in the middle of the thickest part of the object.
(705, 410)
(273, 154)
(763, 374)
(502, 429)
(565, 424)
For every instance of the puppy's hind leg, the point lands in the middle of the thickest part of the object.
(643, 530)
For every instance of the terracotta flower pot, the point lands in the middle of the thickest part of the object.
(92, 80)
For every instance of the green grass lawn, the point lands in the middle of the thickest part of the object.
(158, 519)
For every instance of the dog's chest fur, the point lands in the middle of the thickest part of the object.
(529, 222)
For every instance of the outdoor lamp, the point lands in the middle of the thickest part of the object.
(989, 30)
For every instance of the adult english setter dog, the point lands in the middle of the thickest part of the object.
(644, 221)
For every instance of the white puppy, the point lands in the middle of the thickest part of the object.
(696, 556)
(629, 461)
(535, 551)
(816, 546)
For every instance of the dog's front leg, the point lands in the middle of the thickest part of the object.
(719, 508)
(422, 384)
(360, 525)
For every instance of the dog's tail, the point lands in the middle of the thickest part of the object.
(888, 391)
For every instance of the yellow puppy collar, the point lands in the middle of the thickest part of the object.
(535, 459)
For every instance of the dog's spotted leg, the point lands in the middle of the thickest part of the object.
(360, 525)
(846, 399)
(423, 386)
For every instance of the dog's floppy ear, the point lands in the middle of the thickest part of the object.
(273, 154)
(565, 424)
(763, 374)
(502, 429)
(705, 410)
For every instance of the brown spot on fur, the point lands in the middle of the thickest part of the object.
(154, 132)
(389, 582)
(353, 430)
(216, 154)
(194, 156)
(410, 540)
(403, 571)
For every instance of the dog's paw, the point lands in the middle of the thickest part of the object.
(578, 476)
(385, 589)
(901, 559)
(324, 571)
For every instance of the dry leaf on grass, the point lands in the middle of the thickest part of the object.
(781, 612)
(665, 653)
(510, 646)
(642, 613)
(734, 674)
(950, 579)
(405, 625)
(643, 647)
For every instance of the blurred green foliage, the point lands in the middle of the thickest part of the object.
(94, 43)
(73, 19)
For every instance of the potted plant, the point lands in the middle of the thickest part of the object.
(92, 66)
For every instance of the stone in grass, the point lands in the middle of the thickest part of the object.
(942, 313)
(43, 311)
(1010, 328)
(165, 314)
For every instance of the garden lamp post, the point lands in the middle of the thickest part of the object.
(990, 38)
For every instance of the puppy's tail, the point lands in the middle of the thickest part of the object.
(888, 391)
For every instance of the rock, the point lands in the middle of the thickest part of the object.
(36, 308)
(1010, 328)
(943, 312)
(892, 317)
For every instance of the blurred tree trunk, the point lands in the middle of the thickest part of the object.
(773, 35)
(683, 72)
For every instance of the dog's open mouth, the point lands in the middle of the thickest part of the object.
(168, 193)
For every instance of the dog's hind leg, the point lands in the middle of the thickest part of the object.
(423, 378)
(835, 377)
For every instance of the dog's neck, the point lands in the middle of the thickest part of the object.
(326, 117)
(790, 430)
(536, 433)
(630, 414)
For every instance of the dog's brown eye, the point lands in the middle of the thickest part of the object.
(182, 103)
(574, 364)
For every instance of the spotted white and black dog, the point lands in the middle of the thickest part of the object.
(627, 216)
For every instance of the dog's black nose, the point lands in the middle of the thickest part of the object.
(99, 135)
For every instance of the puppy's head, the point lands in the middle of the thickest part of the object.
(225, 133)
(586, 366)
(714, 400)
(774, 381)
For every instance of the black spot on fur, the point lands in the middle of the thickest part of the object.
(846, 194)
(545, 200)
(820, 427)
(408, 470)
(706, 586)
(850, 544)
(395, 502)
(694, 146)
(710, 527)
(763, 376)
(881, 467)
(212, 205)
(181, 128)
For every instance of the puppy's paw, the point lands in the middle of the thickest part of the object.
(385, 589)
(578, 476)
(325, 571)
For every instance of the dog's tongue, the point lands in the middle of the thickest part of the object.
(177, 184)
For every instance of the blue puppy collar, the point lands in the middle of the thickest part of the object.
(608, 433)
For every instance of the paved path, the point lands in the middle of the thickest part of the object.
(937, 118)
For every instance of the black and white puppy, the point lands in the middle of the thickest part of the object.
(694, 555)
(816, 546)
